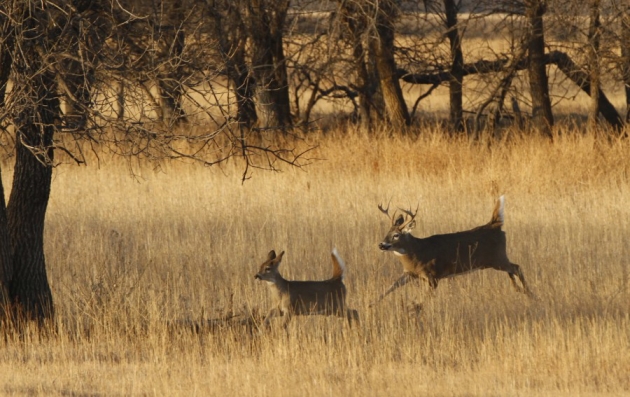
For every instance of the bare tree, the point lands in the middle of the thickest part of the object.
(541, 103)
(231, 34)
(265, 20)
(371, 28)
(455, 85)
(594, 34)
(355, 18)
(625, 55)
(383, 51)
(64, 58)
(6, 256)
(36, 108)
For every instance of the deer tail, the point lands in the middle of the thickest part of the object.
(498, 213)
(339, 266)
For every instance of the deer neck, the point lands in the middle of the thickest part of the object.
(279, 286)
(409, 257)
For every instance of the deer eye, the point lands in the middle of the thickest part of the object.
(267, 269)
(396, 236)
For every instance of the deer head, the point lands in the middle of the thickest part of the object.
(399, 234)
(269, 269)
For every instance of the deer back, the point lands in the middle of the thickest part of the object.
(453, 253)
(316, 296)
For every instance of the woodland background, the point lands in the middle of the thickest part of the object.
(154, 152)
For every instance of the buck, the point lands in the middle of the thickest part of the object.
(327, 297)
(446, 255)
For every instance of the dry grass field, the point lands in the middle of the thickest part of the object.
(127, 255)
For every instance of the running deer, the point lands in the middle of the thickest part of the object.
(327, 297)
(447, 255)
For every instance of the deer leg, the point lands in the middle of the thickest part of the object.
(285, 323)
(433, 283)
(352, 315)
(519, 273)
(275, 312)
(514, 270)
(406, 277)
(513, 279)
(416, 308)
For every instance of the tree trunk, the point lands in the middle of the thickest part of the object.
(244, 89)
(119, 87)
(457, 66)
(356, 23)
(362, 80)
(542, 117)
(231, 32)
(593, 55)
(38, 110)
(29, 288)
(625, 58)
(582, 80)
(170, 42)
(266, 21)
(6, 257)
(383, 50)
(280, 63)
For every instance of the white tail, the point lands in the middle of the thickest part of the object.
(446, 255)
(338, 264)
(326, 297)
(501, 210)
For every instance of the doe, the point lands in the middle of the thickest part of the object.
(326, 297)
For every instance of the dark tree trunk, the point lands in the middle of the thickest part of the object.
(170, 80)
(29, 288)
(119, 86)
(542, 117)
(457, 66)
(231, 32)
(6, 257)
(593, 54)
(362, 82)
(244, 89)
(625, 58)
(280, 62)
(266, 21)
(383, 51)
(38, 110)
(366, 80)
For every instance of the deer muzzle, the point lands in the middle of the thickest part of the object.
(384, 246)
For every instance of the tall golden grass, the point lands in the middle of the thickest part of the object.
(129, 254)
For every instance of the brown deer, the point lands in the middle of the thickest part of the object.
(327, 297)
(447, 255)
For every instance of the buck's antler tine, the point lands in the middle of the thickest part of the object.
(384, 210)
(411, 214)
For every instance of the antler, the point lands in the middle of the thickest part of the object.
(386, 210)
(412, 215)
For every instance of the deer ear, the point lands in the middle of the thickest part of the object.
(400, 220)
(279, 259)
(410, 226)
(272, 255)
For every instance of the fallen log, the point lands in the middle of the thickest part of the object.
(562, 61)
